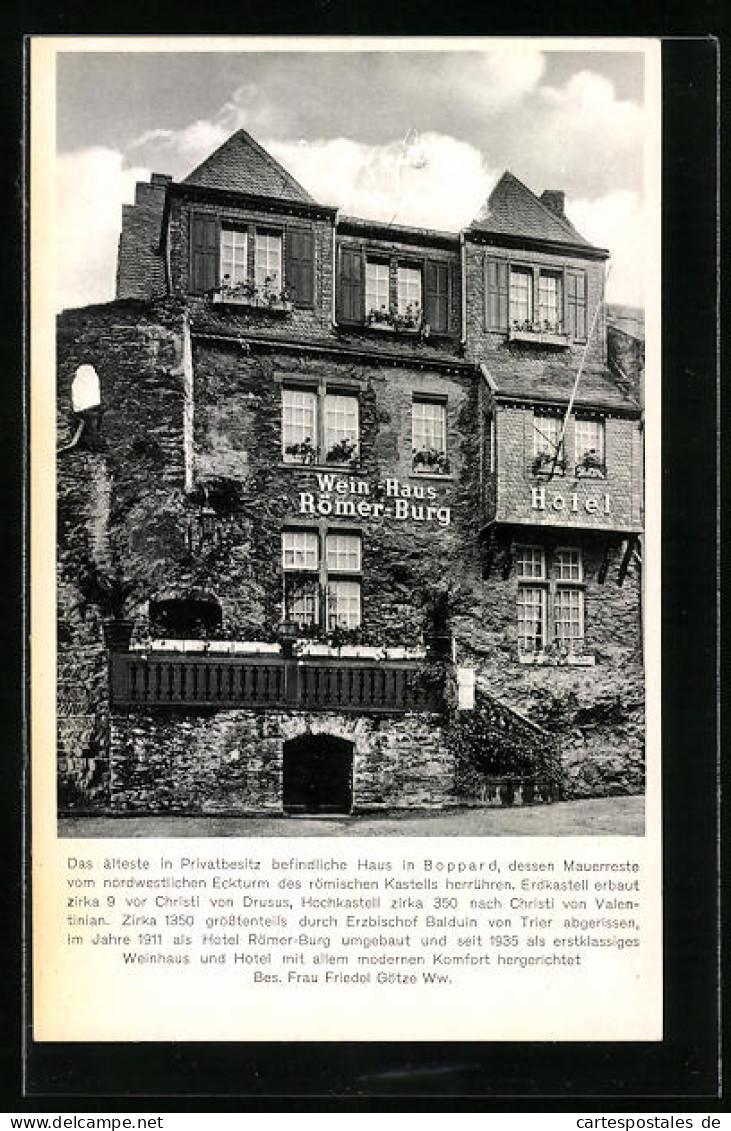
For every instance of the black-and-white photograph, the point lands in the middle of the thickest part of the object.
(351, 442)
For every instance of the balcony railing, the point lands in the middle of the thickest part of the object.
(167, 679)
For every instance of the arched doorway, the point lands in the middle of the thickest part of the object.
(317, 774)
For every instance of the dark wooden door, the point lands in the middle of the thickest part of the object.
(318, 774)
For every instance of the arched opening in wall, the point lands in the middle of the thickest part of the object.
(317, 774)
(185, 618)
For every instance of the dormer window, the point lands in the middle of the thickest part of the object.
(396, 292)
(537, 305)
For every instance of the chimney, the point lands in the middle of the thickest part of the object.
(160, 179)
(554, 199)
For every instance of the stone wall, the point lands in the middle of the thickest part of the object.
(126, 504)
(232, 761)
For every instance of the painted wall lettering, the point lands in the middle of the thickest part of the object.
(592, 504)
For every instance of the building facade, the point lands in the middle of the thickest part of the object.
(373, 546)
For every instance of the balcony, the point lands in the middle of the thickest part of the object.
(172, 679)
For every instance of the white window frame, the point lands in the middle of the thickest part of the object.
(517, 271)
(555, 319)
(297, 404)
(546, 431)
(583, 446)
(420, 434)
(331, 420)
(341, 421)
(330, 557)
(237, 252)
(266, 242)
(566, 575)
(377, 286)
(409, 289)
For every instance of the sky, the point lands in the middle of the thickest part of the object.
(412, 136)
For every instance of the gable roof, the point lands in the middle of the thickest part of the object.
(241, 165)
(513, 210)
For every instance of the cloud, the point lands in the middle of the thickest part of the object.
(91, 186)
(616, 221)
(187, 147)
(427, 180)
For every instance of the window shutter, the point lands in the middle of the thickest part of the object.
(437, 296)
(496, 294)
(576, 304)
(204, 254)
(351, 297)
(300, 265)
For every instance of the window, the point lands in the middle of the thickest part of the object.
(377, 286)
(233, 257)
(550, 606)
(546, 433)
(299, 426)
(387, 293)
(300, 558)
(531, 563)
(589, 447)
(409, 291)
(550, 301)
(268, 260)
(527, 300)
(531, 618)
(429, 436)
(313, 565)
(319, 426)
(568, 605)
(231, 251)
(521, 295)
(341, 428)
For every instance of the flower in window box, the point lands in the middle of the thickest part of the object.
(430, 460)
(379, 316)
(547, 461)
(344, 451)
(303, 452)
(591, 464)
(410, 319)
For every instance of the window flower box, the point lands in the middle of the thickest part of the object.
(249, 294)
(303, 453)
(538, 333)
(557, 657)
(390, 320)
(546, 463)
(591, 466)
(430, 461)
